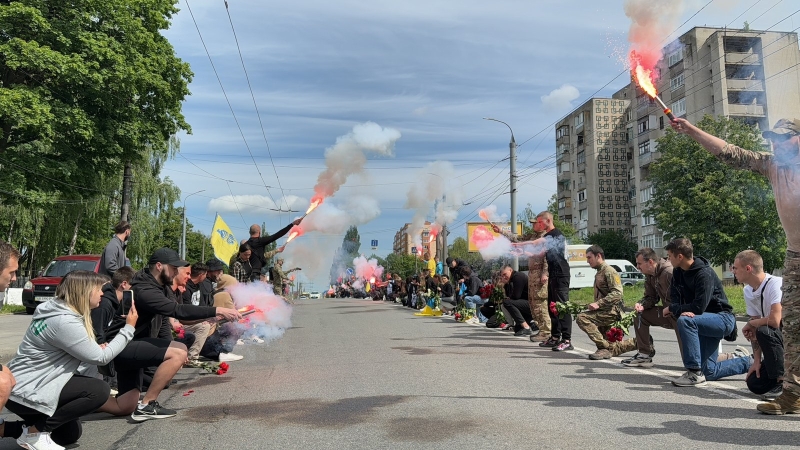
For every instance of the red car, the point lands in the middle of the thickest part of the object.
(43, 287)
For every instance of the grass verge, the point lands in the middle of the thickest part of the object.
(633, 294)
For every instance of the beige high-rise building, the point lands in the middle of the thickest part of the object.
(592, 168)
(749, 75)
(403, 244)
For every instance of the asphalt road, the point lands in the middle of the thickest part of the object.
(362, 374)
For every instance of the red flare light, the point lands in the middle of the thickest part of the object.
(482, 214)
(372, 280)
(315, 201)
(293, 233)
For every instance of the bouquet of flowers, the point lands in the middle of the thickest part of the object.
(217, 368)
(486, 291)
(620, 328)
(561, 309)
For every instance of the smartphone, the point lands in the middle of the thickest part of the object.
(127, 301)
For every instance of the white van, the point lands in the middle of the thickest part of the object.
(582, 275)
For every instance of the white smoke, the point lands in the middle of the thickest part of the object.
(348, 155)
(491, 214)
(434, 183)
(496, 248)
(273, 316)
(651, 22)
(331, 218)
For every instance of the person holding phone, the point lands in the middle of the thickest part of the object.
(48, 393)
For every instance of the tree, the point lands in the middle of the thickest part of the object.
(721, 210)
(616, 244)
(570, 233)
(351, 242)
(402, 265)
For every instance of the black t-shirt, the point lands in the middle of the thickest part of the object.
(556, 259)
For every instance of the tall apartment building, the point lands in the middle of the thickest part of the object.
(749, 75)
(592, 167)
(403, 244)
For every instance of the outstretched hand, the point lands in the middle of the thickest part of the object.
(297, 221)
(680, 125)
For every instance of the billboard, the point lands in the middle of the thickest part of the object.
(471, 226)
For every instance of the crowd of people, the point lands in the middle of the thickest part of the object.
(112, 341)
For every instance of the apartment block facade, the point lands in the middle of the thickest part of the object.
(403, 243)
(748, 75)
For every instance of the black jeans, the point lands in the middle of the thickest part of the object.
(79, 397)
(558, 291)
(520, 311)
(771, 342)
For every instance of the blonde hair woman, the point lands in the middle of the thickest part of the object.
(48, 394)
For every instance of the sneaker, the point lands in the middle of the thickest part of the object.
(534, 328)
(563, 346)
(151, 411)
(257, 340)
(690, 379)
(773, 393)
(37, 441)
(539, 337)
(550, 342)
(601, 353)
(523, 332)
(638, 360)
(240, 342)
(228, 357)
(786, 403)
(741, 352)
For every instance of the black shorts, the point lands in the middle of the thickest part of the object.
(138, 354)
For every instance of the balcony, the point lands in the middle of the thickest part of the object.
(735, 109)
(744, 85)
(742, 58)
(563, 139)
(645, 159)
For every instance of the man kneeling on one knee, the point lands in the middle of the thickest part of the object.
(606, 308)
(762, 295)
(703, 314)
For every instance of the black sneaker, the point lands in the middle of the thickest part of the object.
(523, 332)
(563, 346)
(551, 342)
(152, 411)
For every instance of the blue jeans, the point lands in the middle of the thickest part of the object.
(473, 301)
(700, 336)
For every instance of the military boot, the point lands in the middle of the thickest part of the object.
(786, 403)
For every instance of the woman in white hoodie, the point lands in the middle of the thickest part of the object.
(48, 393)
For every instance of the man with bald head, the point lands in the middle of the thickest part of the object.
(557, 280)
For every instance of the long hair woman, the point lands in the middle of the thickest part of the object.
(48, 394)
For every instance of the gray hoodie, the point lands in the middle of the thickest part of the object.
(55, 344)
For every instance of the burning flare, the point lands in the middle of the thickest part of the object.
(645, 78)
(315, 201)
(294, 232)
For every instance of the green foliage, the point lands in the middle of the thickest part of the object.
(351, 243)
(616, 244)
(633, 294)
(401, 264)
(722, 210)
(570, 233)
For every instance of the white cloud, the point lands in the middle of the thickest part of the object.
(560, 99)
(255, 204)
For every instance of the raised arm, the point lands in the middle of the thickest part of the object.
(710, 142)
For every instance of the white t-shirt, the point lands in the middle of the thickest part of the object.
(772, 295)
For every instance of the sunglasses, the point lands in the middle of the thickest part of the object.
(781, 138)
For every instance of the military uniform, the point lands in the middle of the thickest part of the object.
(608, 295)
(537, 291)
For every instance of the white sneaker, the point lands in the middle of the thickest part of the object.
(240, 342)
(228, 357)
(37, 441)
(257, 340)
(690, 379)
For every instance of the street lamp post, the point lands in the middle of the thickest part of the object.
(183, 235)
(512, 146)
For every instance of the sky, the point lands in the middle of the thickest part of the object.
(429, 69)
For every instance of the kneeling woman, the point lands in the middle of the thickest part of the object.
(49, 396)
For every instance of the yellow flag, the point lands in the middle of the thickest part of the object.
(222, 240)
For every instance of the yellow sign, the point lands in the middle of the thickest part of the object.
(471, 226)
(223, 241)
(577, 252)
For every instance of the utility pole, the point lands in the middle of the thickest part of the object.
(512, 166)
(183, 235)
(127, 188)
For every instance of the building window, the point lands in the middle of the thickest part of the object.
(580, 139)
(582, 195)
(579, 120)
(647, 220)
(562, 131)
(633, 211)
(644, 147)
(562, 203)
(643, 126)
(581, 157)
(584, 214)
(675, 57)
(646, 194)
(563, 168)
(679, 107)
(676, 82)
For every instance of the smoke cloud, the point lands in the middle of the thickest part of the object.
(434, 183)
(349, 155)
(274, 315)
(490, 213)
(651, 23)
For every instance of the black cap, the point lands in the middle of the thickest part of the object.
(169, 256)
(214, 264)
(448, 261)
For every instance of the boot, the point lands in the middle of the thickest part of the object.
(786, 403)
(619, 348)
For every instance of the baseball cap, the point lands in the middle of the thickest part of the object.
(169, 256)
(214, 264)
(785, 128)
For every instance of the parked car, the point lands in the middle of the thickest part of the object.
(43, 287)
(314, 294)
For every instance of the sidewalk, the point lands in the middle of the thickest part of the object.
(12, 329)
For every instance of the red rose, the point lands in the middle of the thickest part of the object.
(553, 309)
(614, 335)
(224, 366)
(181, 334)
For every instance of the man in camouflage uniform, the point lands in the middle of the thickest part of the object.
(537, 291)
(607, 306)
(782, 168)
(279, 277)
